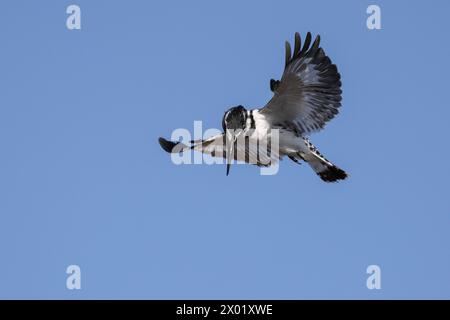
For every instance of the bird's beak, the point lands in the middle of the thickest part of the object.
(231, 139)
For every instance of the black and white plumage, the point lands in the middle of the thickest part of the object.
(304, 100)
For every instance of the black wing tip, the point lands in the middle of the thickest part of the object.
(299, 51)
(167, 145)
(288, 57)
(316, 43)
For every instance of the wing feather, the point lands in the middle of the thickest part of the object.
(309, 93)
(244, 150)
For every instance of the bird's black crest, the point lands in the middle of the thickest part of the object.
(234, 118)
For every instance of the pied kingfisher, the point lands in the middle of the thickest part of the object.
(304, 100)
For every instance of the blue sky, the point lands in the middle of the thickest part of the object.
(83, 180)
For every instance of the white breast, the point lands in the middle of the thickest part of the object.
(261, 122)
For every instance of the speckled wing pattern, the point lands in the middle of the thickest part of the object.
(244, 151)
(309, 92)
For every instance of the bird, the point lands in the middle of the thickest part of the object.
(304, 100)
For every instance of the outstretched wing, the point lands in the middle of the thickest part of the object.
(309, 93)
(245, 150)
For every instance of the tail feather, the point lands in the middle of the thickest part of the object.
(332, 174)
(326, 170)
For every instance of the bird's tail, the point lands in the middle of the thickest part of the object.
(326, 170)
(330, 172)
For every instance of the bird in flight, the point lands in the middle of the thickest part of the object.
(304, 100)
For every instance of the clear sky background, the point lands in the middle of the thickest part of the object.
(83, 180)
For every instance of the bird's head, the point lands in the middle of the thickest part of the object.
(234, 118)
(233, 124)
